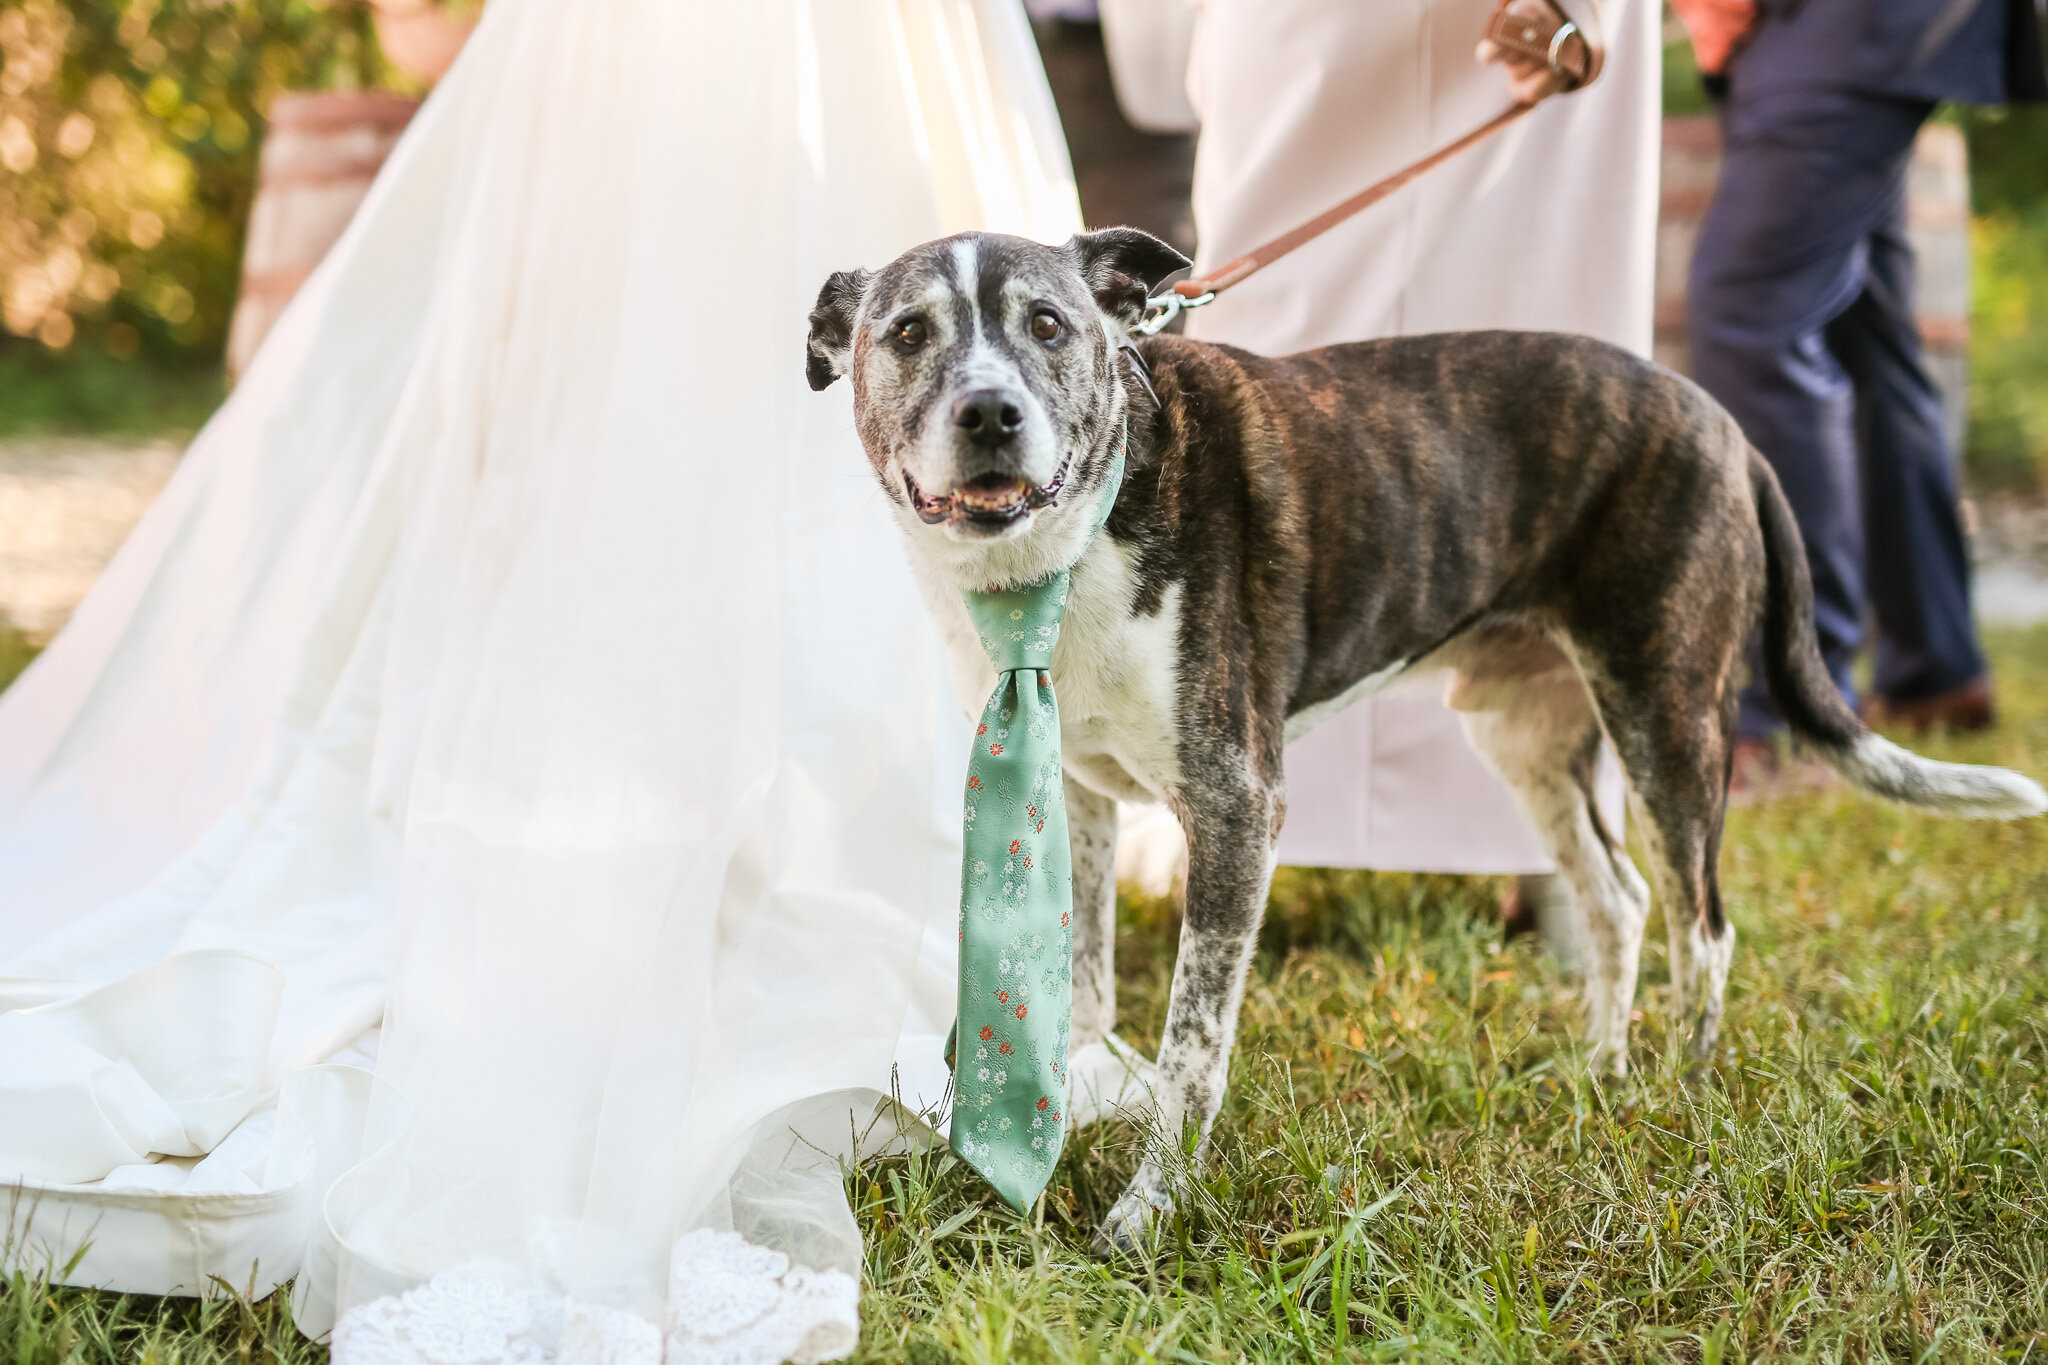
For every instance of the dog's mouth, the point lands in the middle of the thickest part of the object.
(988, 501)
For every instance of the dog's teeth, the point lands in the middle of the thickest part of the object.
(984, 497)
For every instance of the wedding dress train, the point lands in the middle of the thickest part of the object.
(522, 660)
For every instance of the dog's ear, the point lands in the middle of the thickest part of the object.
(830, 348)
(1122, 267)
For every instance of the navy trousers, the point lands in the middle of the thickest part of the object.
(1801, 307)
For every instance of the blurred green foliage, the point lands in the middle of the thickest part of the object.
(2008, 441)
(128, 138)
(16, 653)
(84, 390)
(1683, 93)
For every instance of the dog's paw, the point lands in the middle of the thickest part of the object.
(1132, 1227)
(1699, 1051)
(1706, 1034)
(1109, 1078)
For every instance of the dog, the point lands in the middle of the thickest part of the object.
(1582, 540)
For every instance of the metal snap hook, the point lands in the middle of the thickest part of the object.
(1162, 309)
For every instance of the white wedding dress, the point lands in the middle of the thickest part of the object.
(523, 661)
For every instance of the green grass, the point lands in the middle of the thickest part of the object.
(15, 653)
(1413, 1161)
(42, 1325)
(1411, 1132)
(94, 395)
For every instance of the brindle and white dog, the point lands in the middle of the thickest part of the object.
(1584, 540)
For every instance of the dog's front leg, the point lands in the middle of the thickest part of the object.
(1230, 843)
(1091, 831)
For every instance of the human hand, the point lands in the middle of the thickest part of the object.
(1528, 79)
(1519, 39)
(1717, 28)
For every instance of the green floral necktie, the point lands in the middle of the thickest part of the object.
(1017, 899)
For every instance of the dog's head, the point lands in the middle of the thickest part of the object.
(987, 387)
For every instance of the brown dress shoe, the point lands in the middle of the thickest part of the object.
(1961, 709)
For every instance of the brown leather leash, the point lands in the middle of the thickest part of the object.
(1538, 30)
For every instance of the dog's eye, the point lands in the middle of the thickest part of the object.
(911, 334)
(1044, 325)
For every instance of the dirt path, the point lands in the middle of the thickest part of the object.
(2011, 552)
(65, 506)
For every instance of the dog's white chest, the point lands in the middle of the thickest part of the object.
(1115, 673)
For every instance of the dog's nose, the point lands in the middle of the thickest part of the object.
(987, 417)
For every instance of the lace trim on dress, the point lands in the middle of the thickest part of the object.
(730, 1302)
(486, 1314)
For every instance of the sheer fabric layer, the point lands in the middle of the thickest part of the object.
(523, 658)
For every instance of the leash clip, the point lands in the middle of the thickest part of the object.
(1162, 309)
(1557, 41)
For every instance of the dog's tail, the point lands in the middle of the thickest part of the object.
(1815, 711)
